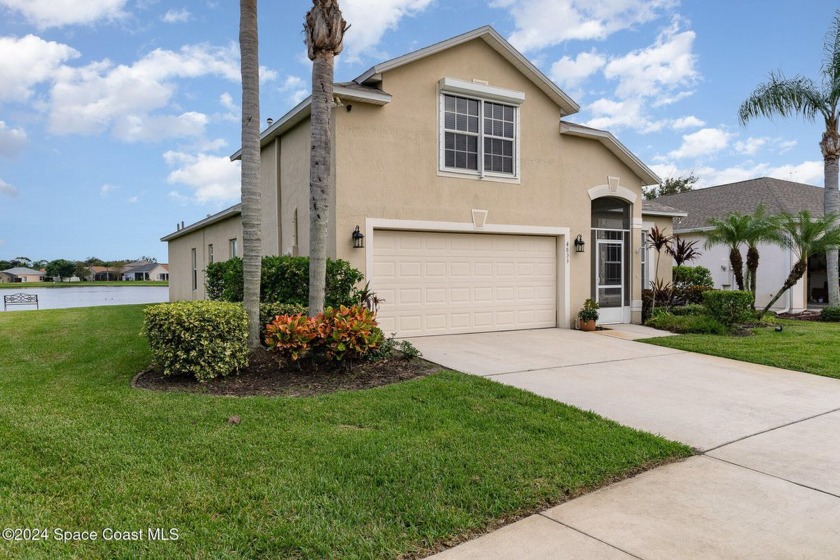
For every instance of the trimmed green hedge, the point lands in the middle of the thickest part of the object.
(203, 339)
(729, 306)
(830, 314)
(284, 280)
(684, 324)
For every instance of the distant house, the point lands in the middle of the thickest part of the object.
(22, 274)
(775, 263)
(145, 271)
(105, 273)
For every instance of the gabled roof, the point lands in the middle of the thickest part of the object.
(499, 44)
(24, 271)
(776, 195)
(147, 267)
(647, 176)
(364, 88)
(235, 210)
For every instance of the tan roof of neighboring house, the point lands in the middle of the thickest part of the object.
(776, 195)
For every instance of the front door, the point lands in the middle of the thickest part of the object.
(610, 282)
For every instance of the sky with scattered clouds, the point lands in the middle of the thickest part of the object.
(118, 117)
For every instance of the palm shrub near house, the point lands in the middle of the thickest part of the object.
(202, 339)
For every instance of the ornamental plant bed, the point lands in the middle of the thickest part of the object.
(267, 375)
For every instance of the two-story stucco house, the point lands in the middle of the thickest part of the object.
(456, 164)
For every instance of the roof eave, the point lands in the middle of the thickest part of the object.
(647, 176)
(210, 220)
(667, 213)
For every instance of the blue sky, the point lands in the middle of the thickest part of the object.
(117, 117)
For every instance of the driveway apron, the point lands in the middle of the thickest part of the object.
(766, 480)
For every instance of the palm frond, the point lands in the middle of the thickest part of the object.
(831, 60)
(783, 97)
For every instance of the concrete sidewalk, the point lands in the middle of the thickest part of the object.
(767, 481)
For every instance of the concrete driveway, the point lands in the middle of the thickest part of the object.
(766, 483)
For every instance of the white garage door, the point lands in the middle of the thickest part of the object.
(440, 283)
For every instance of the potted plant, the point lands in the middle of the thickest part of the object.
(588, 315)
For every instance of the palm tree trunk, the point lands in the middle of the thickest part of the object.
(320, 177)
(795, 275)
(752, 269)
(251, 196)
(830, 147)
(737, 262)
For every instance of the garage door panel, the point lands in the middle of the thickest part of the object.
(436, 283)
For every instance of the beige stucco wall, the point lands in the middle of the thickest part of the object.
(270, 200)
(387, 163)
(180, 256)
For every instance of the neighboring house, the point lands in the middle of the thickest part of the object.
(6, 278)
(775, 263)
(23, 274)
(145, 271)
(105, 273)
(457, 165)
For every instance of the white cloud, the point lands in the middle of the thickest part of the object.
(296, 88)
(58, 13)
(370, 19)
(102, 96)
(687, 122)
(663, 67)
(133, 200)
(702, 143)
(609, 114)
(543, 23)
(106, 189)
(210, 178)
(12, 140)
(7, 189)
(177, 16)
(750, 146)
(810, 172)
(28, 61)
(571, 72)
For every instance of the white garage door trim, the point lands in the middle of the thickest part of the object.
(561, 233)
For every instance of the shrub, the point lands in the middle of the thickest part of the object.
(349, 333)
(830, 314)
(292, 336)
(693, 276)
(223, 280)
(342, 334)
(729, 306)
(203, 339)
(268, 311)
(391, 347)
(684, 324)
(284, 280)
(690, 309)
(690, 294)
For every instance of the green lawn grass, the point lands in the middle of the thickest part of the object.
(366, 474)
(809, 346)
(134, 283)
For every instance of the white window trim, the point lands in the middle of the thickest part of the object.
(480, 92)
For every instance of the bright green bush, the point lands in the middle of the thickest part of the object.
(692, 276)
(830, 314)
(284, 280)
(684, 324)
(690, 309)
(729, 306)
(203, 339)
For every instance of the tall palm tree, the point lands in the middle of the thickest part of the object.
(805, 236)
(760, 227)
(251, 197)
(783, 97)
(324, 30)
(730, 231)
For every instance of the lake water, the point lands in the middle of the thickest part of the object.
(89, 296)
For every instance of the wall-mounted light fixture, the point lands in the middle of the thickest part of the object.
(358, 239)
(579, 244)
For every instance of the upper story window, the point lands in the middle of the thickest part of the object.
(479, 129)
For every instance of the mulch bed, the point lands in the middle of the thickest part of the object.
(267, 375)
(807, 315)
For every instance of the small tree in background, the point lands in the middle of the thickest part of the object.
(61, 268)
(672, 185)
